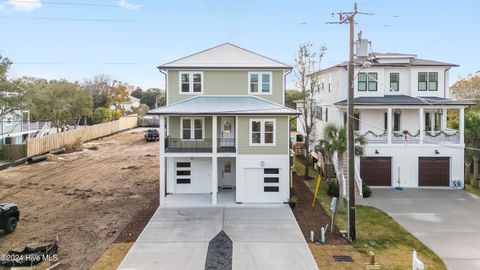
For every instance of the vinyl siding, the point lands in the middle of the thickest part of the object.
(225, 82)
(281, 129)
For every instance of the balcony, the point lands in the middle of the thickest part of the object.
(442, 136)
(178, 145)
(373, 137)
(411, 137)
(405, 136)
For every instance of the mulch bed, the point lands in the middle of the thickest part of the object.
(139, 221)
(312, 218)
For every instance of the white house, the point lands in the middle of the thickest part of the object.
(401, 105)
(224, 131)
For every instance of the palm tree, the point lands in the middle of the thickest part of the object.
(335, 140)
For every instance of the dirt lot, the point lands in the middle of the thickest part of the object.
(87, 198)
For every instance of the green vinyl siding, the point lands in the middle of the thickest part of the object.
(174, 126)
(225, 82)
(281, 133)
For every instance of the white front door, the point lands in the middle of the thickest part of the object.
(227, 172)
(227, 135)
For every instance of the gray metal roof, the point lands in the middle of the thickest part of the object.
(225, 56)
(405, 100)
(224, 105)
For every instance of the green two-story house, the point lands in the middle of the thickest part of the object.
(224, 131)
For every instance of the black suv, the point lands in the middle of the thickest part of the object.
(9, 216)
(152, 135)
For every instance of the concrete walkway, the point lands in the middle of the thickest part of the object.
(264, 237)
(447, 221)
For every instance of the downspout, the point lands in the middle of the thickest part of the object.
(285, 85)
(166, 84)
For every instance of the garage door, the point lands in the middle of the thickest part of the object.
(376, 171)
(262, 185)
(434, 171)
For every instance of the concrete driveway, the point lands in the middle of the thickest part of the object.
(447, 221)
(264, 237)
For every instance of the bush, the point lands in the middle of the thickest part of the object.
(333, 189)
(367, 192)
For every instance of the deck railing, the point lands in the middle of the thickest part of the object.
(178, 145)
(411, 137)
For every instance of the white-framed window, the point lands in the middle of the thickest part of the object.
(271, 180)
(262, 132)
(183, 173)
(9, 120)
(260, 83)
(192, 128)
(191, 82)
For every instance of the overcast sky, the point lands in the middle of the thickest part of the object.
(127, 39)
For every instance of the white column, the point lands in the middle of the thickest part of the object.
(214, 161)
(443, 124)
(421, 121)
(462, 125)
(389, 125)
(162, 168)
(432, 121)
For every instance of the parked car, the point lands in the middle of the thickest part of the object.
(9, 216)
(152, 135)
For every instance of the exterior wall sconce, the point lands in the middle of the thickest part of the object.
(440, 111)
(262, 163)
(398, 111)
(376, 152)
(436, 152)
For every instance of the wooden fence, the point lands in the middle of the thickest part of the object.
(41, 145)
(12, 151)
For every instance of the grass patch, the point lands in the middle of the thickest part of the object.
(394, 244)
(112, 258)
(472, 190)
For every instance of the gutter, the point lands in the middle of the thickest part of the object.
(445, 82)
(166, 84)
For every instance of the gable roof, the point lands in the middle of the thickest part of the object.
(225, 55)
(224, 105)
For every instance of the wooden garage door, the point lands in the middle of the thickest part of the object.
(376, 171)
(434, 171)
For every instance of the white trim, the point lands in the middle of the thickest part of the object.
(190, 82)
(262, 132)
(260, 82)
(192, 128)
(236, 134)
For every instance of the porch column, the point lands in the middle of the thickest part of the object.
(162, 168)
(214, 161)
(421, 120)
(462, 125)
(389, 125)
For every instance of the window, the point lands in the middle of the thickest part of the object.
(271, 179)
(183, 174)
(323, 85)
(356, 121)
(329, 84)
(367, 81)
(437, 122)
(260, 83)
(427, 81)
(385, 121)
(396, 121)
(326, 114)
(318, 112)
(433, 81)
(192, 128)
(9, 121)
(428, 124)
(262, 132)
(191, 82)
(394, 81)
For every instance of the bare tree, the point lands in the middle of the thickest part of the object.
(306, 63)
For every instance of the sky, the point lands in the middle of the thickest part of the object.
(127, 39)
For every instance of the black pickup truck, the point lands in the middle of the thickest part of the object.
(9, 216)
(152, 135)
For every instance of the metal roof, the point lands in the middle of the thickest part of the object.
(224, 105)
(405, 100)
(225, 55)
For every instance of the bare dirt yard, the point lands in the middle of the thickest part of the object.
(88, 198)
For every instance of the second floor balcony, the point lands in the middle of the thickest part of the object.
(411, 137)
(178, 145)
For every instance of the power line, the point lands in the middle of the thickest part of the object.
(81, 19)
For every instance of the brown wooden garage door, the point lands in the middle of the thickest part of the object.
(434, 171)
(376, 171)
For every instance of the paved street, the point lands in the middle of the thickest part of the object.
(447, 221)
(266, 237)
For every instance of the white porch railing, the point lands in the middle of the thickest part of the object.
(342, 179)
(374, 137)
(442, 136)
(411, 137)
(406, 136)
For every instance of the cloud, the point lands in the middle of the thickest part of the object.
(25, 5)
(124, 4)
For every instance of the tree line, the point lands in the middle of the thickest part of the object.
(66, 103)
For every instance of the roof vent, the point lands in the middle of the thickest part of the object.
(362, 46)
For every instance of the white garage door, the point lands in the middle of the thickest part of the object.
(262, 185)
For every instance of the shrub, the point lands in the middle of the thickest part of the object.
(367, 192)
(333, 189)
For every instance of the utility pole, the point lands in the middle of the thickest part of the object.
(349, 18)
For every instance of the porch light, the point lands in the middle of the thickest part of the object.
(436, 152)
(440, 111)
(376, 152)
(262, 163)
(398, 111)
(357, 111)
